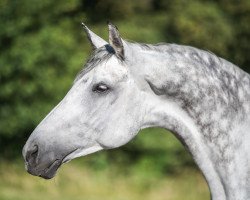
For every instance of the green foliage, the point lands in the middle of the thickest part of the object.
(239, 15)
(38, 62)
(200, 24)
(103, 10)
(43, 47)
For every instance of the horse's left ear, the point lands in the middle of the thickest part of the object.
(94, 39)
(115, 40)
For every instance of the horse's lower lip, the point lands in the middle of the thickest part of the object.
(50, 172)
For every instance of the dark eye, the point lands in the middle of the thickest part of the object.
(100, 88)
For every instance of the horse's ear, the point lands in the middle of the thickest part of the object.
(94, 39)
(115, 40)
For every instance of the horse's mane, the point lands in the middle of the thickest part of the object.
(192, 54)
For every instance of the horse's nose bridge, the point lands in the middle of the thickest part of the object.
(54, 116)
(60, 115)
(49, 134)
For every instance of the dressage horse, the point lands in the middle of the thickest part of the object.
(124, 87)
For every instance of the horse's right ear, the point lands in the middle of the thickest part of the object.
(94, 39)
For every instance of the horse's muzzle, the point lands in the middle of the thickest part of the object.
(47, 169)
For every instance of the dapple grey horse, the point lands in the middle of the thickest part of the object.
(125, 87)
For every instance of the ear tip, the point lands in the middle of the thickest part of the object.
(84, 26)
(110, 23)
(112, 26)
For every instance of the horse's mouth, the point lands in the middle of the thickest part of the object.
(50, 172)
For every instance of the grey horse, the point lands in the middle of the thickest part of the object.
(125, 87)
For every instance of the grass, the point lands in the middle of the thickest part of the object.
(74, 181)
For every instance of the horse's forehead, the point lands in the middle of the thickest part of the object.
(111, 68)
(108, 69)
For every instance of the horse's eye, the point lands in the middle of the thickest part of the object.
(100, 88)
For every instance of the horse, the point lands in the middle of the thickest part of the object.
(124, 87)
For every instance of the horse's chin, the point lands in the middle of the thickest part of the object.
(50, 172)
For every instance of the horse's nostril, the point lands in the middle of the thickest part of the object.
(31, 155)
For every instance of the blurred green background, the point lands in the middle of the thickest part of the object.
(42, 47)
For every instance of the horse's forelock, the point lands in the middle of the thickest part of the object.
(99, 56)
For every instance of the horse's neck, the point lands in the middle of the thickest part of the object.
(207, 105)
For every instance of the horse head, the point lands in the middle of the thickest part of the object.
(102, 110)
